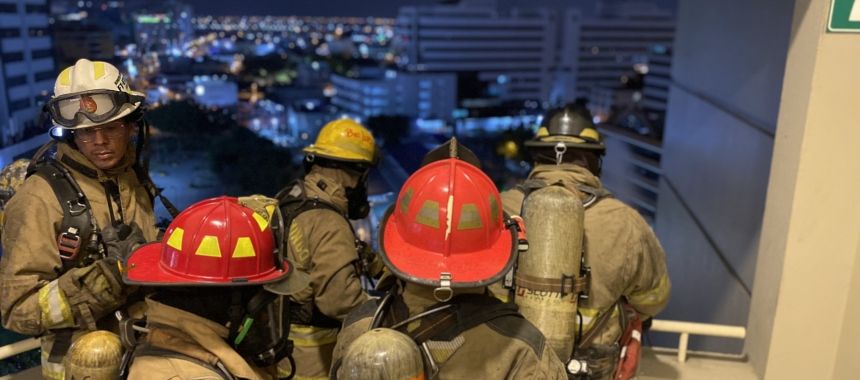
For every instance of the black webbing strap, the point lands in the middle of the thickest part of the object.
(77, 226)
(452, 318)
(62, 342)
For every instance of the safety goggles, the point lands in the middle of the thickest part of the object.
(96, 105)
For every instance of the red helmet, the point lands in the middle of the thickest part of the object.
(448, 229)
(213, 242)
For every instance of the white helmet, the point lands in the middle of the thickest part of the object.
(90, 94)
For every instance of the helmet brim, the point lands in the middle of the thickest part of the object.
(323, 153)
(144, 267)
(570, 143)
(468, 270)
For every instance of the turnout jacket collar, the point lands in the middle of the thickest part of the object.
(569, 174)
(328, 185)
(208, 334)
(81, 164)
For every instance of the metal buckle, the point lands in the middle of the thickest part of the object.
(69, 244)
(444, 293)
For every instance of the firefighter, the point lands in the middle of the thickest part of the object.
(321, 241)
(628, 276)
(81, 212)
(216, 311)
(445, 239)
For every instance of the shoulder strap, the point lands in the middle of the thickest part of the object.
(153, 191)
(594, 194)
(78, 229)
(149, 350)
(445, 320)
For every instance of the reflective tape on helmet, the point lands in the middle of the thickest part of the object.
(651, 297)
(56, 311)
(312, 336)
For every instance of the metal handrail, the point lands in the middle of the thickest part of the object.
(658, 325)
(687, 328)
(18, 347)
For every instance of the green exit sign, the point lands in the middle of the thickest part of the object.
(844, 16)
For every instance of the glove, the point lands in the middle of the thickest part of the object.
(93, 291)
(369, 263)
(121, 240)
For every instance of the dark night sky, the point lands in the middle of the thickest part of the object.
(384, 8)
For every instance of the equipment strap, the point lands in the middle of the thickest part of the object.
(563, 285)
(62, 342)
(446, 320)
(78, 224)
(597, 328)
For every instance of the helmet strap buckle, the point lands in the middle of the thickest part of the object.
(560, 149)
(444, 293)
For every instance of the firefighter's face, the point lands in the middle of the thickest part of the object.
(104, 145)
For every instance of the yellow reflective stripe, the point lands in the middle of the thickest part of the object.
(98, 69)
(312, 336)
(653, 296)
(244, 248)
(209, 247)
(299, 251)
(56, 311)
(262, 222)
(300, 377)
(52, 371)
(66, 77)
(589, 315)
(175, 239)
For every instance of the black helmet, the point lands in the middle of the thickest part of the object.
(570, 125)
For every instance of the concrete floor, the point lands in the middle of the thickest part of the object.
(656, 365)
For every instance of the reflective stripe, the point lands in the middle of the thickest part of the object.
(651, 297)
(52, 371)
(299, 251)
(56, 311)
(300, 377)
(98, 69)
(312, 336)
(588, 316)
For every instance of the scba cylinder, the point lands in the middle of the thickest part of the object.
(546, 272)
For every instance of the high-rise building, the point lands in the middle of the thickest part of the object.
(610, 45)
(26, 67)
(501, 55)
(74, 40)
(423, 95)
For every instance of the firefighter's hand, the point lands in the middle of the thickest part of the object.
(368, 261)
(122, 239)
(93, 291)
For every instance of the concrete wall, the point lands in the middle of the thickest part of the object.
(727, 70)
(806, 303)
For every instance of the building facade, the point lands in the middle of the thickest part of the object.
(420, 95)
(505, 55)
(27, 69)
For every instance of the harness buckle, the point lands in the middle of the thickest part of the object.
(69, 244)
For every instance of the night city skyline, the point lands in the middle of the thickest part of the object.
(727, 129)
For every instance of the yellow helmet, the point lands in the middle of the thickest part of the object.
(96, 355)
(344, 140)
